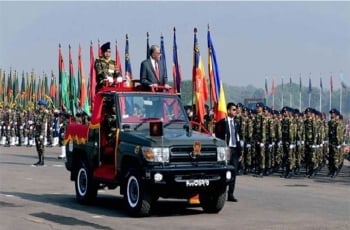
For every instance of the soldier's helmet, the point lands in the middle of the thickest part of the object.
(42, 102)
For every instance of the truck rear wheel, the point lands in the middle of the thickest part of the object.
(85, 189)
(212, 203)
(137, 198)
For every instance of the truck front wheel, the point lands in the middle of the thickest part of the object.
(137, 197)
(212, 203)
(85, 189)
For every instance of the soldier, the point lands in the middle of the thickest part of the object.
(310, 143)
(259, 139)
(106, 69)
(19, 126)
(335, 135)
(40, 120)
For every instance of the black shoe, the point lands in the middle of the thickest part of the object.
(37, 163)
(231, 198)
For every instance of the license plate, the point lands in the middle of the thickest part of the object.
(197, 183)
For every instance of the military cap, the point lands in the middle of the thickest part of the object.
(285, 109)
(42, 102)
(335, 111)
(105, 47)
(240, 105)
(308, 110)
(259, 104)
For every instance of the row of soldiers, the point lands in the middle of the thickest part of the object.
(288, 140)
(18, 127)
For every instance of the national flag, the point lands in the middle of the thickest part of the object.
(282, 85)
(92, 85)
(217, 88)
(23, 91)
(53, 89)
(128, 71)
(63, 81)
(200, 89)
(83, 100)
(273, 87)
(331, 83)
(266, 88)
(321, 85)
(162, 51)
(9, 88)
(72, 86)
(300, 84)
(290, 82)
(176, 67)
(310, 87)
(118, 61)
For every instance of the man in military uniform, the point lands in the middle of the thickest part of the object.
(259, 139)
(40, 118)
(106, 69)
(310, 143)
(335, 135)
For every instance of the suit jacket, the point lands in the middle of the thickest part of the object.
(222, 131)
(148, 75)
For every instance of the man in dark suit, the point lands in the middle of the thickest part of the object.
(152, 72)
(228, 129)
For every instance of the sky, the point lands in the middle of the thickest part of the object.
(253, 41)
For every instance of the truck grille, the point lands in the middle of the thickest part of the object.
(182, 155)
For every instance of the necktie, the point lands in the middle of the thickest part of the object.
(232, 133)
(156, 69)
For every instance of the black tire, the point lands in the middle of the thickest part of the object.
(85, 188)
(137, 197)
(212, 203)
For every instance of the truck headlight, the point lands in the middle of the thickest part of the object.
(223, 153)
(156, 154)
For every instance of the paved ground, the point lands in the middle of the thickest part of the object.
(44, 198)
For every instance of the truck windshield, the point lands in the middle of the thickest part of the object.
(139, 109)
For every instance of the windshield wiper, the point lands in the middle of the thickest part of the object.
(144, 120)
(173, 121)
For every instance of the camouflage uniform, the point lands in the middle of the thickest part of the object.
(105, 67)
(259, 139)
(287, 143)
(40, 119)
(310, 143)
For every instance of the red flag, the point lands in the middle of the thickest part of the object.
(117, 59)
(92, 77)
(83, 91)
(199, 82)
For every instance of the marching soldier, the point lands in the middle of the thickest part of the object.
(310, 143)
(259, 139)
(40, 119)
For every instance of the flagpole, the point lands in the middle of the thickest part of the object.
(341, 98)
(321, 88)
(282, 94)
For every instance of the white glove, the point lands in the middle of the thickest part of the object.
(41, 137)
(339, 146)
(249, 145)
(313, 146)
(270, 146)
(242, 143)
(261, 145)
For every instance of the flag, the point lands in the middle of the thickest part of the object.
(63, 81)
(147, 46)
(331, 83)
(83, 100)
(310, 87)
(53, 90)
(321, 85)
(72, 86)
(118, 62)
(176, 67)
(282, 85)
(273, 88)
(199, 82)
(266, 88)
(217, 88)
(92, 81)
(300, 85)
(128, 71)
(99, 48)
(9, 88)
(162, 51)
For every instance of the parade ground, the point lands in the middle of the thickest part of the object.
(44, 198)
